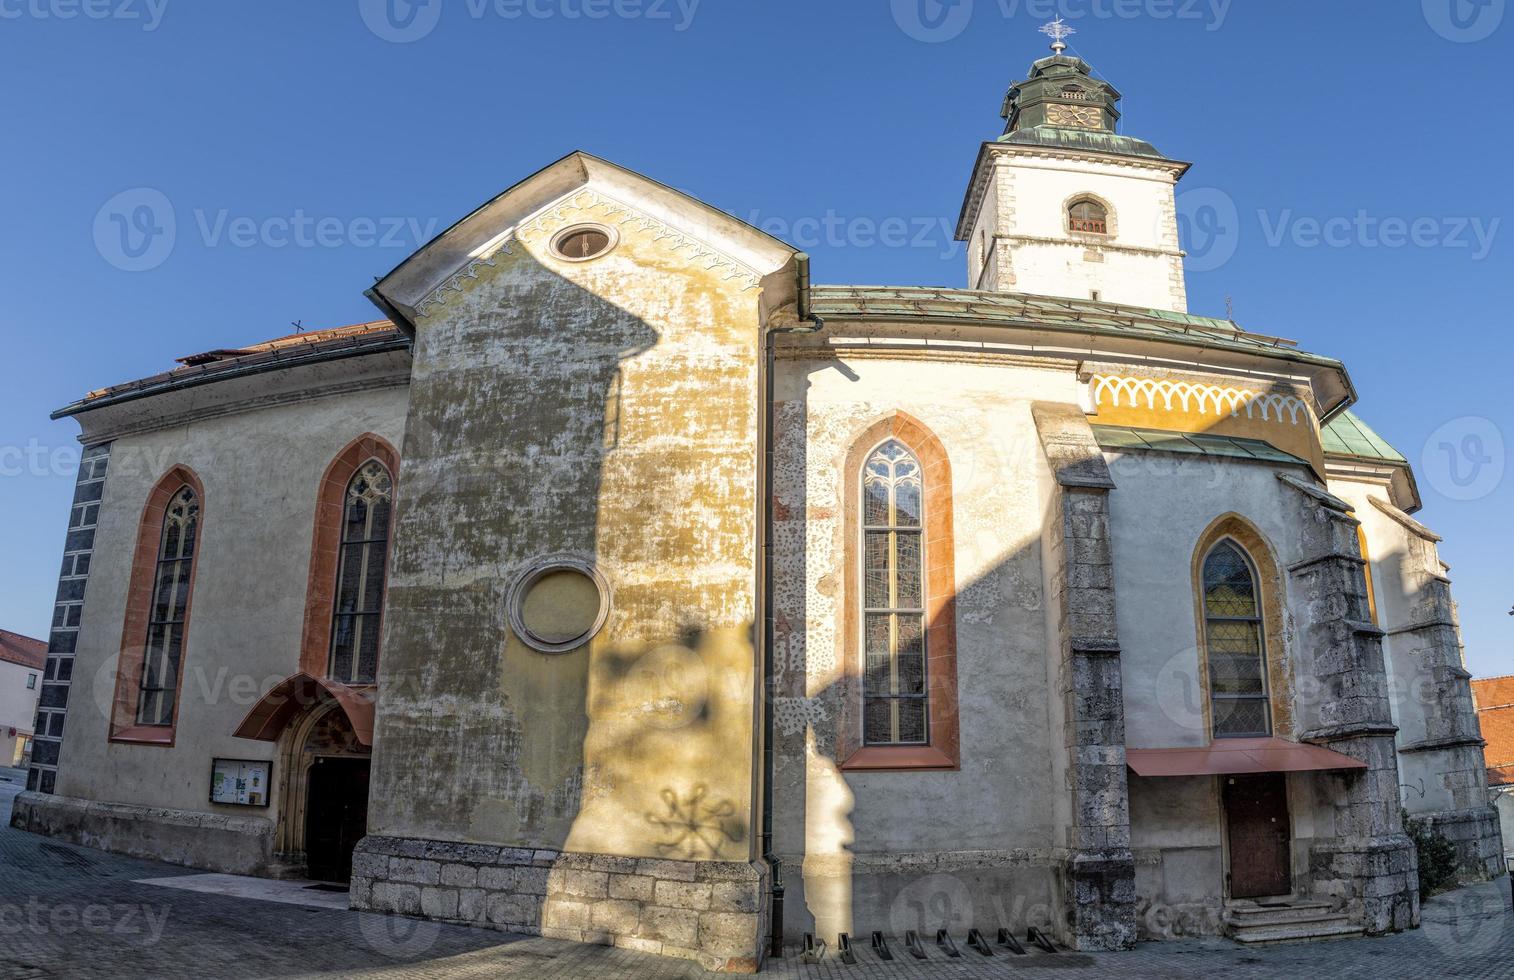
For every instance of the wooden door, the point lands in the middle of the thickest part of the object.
(336, 816)
(1256, 818)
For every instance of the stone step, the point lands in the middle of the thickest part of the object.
(1256, 914)
(1317, 929)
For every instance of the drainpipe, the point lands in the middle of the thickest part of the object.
(809, 323)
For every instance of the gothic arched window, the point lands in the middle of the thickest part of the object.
(367, 511)
(1088, 216)
(893, 568)
(168, 616)
(1234, 644)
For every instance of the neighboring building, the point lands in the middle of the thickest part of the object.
(21, 664)
(623, 582)
(1495, 712)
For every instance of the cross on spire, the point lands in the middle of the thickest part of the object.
(1058, 31)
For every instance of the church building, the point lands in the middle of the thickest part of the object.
(623, 585)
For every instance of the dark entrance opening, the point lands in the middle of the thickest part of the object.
(1256, 818)
(336, 816)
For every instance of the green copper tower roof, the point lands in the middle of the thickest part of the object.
(1062, 105)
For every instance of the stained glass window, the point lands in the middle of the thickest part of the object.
(170, 610)
(894, 684)
(1237, 651)
(356, 620)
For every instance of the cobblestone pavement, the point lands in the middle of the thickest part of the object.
(69, 911)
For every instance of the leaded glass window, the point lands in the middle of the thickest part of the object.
(893, 572)
(367, 511)
(1236, 647)
(170, 610)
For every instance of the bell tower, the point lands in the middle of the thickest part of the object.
(1062, 204)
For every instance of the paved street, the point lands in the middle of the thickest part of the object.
(70, 911)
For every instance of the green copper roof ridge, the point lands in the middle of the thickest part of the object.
(1183, 328)
(1348, 435)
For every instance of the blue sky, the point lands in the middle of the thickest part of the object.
(1350, 187)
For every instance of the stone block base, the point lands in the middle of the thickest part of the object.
(1099, 896)
(1479, 843)
(1377, 880)
(893, 892)
(212, 841)
(711, 912)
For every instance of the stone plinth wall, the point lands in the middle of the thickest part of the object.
(213, 841)
(712, 912)
(1479, 844)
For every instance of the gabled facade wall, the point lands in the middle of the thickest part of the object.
(606, 413)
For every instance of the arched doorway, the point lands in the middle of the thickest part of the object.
(325, 734)
(324, 795)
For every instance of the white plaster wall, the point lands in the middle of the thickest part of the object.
(1162, 504)
(1503, 800)
(1028, 201)
(981, 414)
(1067, 270)
(261, 470)
(18, 706)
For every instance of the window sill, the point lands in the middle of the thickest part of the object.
(144, 735)
(898, 758)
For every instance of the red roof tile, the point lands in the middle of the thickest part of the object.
(225, 357)
(1495, 713)
(23, 650)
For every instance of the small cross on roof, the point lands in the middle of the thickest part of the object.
(1058, 31)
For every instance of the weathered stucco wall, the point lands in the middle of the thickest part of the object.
(261, 471)
(608, 410)
(913, 850)
(1160, 508)
(1030, 249)
(1440, 750)
(1159, 511)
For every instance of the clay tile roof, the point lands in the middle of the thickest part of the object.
(23, 650)
(195, 367)
(1495, 713)
(1493, 692)
(290, 340)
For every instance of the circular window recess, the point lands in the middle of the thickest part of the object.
(583, 242)
(559, 604)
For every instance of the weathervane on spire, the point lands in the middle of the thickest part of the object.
(1057, 31)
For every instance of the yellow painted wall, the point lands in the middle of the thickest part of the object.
(607, 409)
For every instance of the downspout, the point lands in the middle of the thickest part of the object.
(808, 323)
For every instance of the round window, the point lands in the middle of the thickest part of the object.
(584, 243)
(559, 604)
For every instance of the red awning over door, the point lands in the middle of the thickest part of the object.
(297, 692)
(1230, 756)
